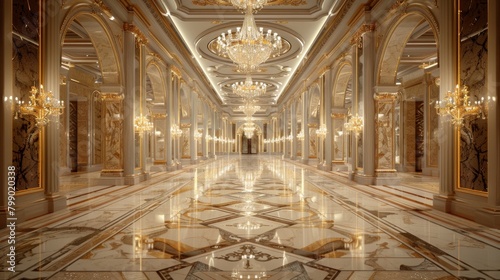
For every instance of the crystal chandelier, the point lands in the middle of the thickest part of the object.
(255, 5)
(249, 129)
(354, 124)
(249, 89)
(142, 124)
(249, 109)
(197, 135)
(41, 105)
(249, 46)
(321, 132)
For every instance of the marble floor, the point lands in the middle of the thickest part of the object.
(250, 217)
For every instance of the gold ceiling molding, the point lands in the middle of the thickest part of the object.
(140, 38)
(176, 71)
(269, 2)
(338, 115)
(103, 7)
(159, 116)
(111, 96)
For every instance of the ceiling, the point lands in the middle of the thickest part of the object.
(200, 22)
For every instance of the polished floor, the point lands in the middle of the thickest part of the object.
(250, 217)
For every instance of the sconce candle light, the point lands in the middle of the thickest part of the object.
(458, 106)
(41, 105)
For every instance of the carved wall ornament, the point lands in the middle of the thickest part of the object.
(139, 36)
(357, 38)
(386, 96)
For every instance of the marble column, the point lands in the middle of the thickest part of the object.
(365, 85)
(170, 117)
(144, 137)
(328, 91)
(447, 64)
(49, 135)
(293, 131)
(128, 107)
(213, 144)
(204, 141)
(193, 143)
(285, 133)
(7, 111)
(305, 127)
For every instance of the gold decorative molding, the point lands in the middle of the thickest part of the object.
(159, 116)
(111, 96)
(357, 38)
(400, 5)
(204, 3)
(338, 115)
(386, 96)
(139, 36)
(177, 72)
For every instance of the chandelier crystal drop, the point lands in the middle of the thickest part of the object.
(249, 46)
(249, 109)
(255, 5)
(142, 124)
(249, 89)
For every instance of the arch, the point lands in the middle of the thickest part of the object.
(104, 42)
(398, 35)
(155, 74)
(343, 79)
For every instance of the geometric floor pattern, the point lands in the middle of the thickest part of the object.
(251, 217)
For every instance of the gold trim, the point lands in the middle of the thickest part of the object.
(338, 115)
(140, 38)
(472, 192)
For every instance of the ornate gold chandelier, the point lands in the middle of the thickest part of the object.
(458, 106)
(321, 131)
(142, 124)
(175, 130)
(249, 109)
(249, 46)
(41, 105)
(249, 89)
(354, 124)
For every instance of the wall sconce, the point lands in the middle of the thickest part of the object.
(197, 135)
(41, 105)
(175, 130)
(289, 137)
(300, 136)
(457, 105)
(321, 132)
(142, 124)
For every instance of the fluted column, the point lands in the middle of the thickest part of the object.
(204, 144)
(285, 133)
(142, 102)
(447, 65)
(213, 113)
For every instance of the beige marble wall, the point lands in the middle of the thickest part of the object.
(409, 133)
(113, 131)
(313, 147)
(338, 140)
(82, 133)
(432, 152)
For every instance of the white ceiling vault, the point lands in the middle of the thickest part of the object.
(200, 22)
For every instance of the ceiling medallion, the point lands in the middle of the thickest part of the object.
(255, 5)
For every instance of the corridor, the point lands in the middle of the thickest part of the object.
(250, 217)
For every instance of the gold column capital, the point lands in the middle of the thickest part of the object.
(140, 38)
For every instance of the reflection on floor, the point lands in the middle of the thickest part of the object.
(250, 217)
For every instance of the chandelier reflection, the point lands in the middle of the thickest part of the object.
(249, 46)
(142, 124)
(458, 106)
(355, 124)
(249, 89)
(41, 105)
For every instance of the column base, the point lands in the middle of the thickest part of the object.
(484, 215)
(339, 167)
(304, 160)
(430, 171)
(56, 202)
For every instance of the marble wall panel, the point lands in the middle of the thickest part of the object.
(159, 139)
(184, 142)
(25, 142)
(338, 139)
(73, 135)
(359, 149)
(385, 137)
(473, 66)
(113, 134)
(433, 129)
(409, 132)
(82, 133)
(313, 147)
(63, 123)
(97, 132)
